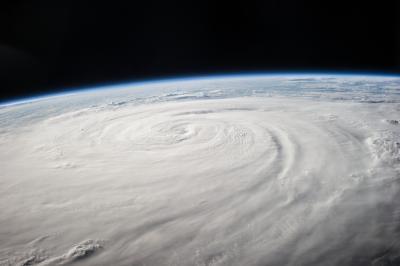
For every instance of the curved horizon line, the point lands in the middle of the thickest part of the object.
(189, 77)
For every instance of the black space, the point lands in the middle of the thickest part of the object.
(48, 45)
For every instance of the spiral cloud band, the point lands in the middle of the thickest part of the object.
(199, 178)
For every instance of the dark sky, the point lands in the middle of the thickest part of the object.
(48, 45)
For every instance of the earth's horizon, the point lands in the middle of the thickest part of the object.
(185, 78)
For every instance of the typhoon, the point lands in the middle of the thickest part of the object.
(230, 170)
